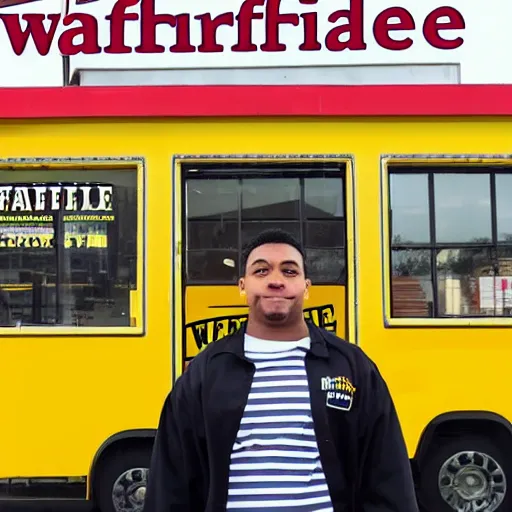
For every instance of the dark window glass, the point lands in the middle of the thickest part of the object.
(68, 247)
(214, 265)
(325, 234)
(270, 198)
(326, 265)
(212, 199)
(252, 229)
(290, 203)
(410, 211)
(469, 258)
(212, 234)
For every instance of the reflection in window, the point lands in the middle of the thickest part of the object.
(411, 289)
(309, 207)
(212, 199)
(410, 213)
(212, 229)
(68, 247)
(270, 198)
(458, 275)
(463, 267)
(212, 234)
(253, 229)
(326, 265)
(504, 206)
(324, 198)
(322, 234)
(462, 207)
(212, 265)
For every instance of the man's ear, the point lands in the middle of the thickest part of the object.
(306, 290)
(241, 286)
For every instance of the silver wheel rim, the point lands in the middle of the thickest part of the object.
(472, 482)
(129, 490)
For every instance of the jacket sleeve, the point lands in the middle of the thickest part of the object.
(173, 479)
(386, 476)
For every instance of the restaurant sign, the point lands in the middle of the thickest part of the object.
(37, 37)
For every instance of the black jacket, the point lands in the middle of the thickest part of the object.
(362, 449)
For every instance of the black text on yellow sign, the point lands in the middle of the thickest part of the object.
(209, 330)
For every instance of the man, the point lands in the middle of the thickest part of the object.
(281, 415)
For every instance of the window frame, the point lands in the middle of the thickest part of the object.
(138, 297)
(238, 174)
(447, 163)
(178, 280)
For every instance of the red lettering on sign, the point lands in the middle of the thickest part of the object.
(382, 27)
(35, 28)
(117, 19)
(148, 23)
(346, 34)
(273, 19)
(354, 27)
(209, 28)
(88, 30)
(182, 35)
(432, 27)
(311, 43)
(244, 18)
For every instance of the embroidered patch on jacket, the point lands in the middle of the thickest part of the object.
(339, 392)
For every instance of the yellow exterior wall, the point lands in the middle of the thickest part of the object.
(326, 300)
(63, 396)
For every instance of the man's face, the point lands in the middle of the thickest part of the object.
(275, 283)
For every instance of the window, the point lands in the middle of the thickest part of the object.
(68, 247)
(226, 207)
(451, 242)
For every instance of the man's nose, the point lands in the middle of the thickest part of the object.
(275, 284)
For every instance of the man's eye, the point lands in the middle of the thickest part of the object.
(290, 272)
(260, 270)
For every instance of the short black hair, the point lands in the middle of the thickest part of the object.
(271, 236)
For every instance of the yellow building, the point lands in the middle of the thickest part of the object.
(122, 215)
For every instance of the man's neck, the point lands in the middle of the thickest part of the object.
(286, 333)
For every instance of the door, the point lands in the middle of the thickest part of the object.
(225, 205)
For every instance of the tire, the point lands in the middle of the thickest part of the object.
(128, 466)
(468, 449)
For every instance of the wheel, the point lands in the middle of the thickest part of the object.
(121, 478)
(468, 474)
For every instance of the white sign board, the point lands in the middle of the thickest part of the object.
(314, 35)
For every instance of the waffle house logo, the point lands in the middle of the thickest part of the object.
(55, 197)
(331, 27)
(206, 331)
(29, 216)
(339, 392)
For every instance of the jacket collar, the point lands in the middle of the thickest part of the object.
(234, 344)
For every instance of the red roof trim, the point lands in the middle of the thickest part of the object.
(209, 101)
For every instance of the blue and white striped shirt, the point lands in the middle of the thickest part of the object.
(275, 462)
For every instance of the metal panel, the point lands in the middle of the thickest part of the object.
(303, 75)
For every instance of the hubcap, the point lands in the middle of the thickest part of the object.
(472, 482)
(129, 490)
